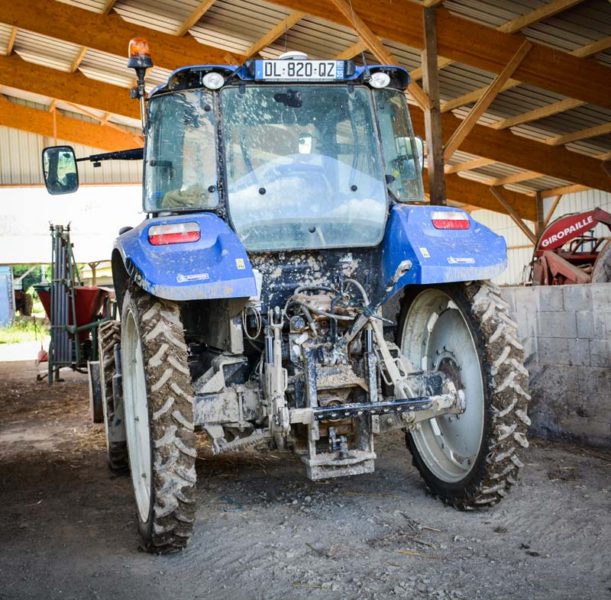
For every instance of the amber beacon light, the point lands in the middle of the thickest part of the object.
(140, 60)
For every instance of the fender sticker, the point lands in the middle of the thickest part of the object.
(239, 263)
(194, 277)
(424, 252)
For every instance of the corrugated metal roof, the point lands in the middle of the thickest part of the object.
(162, 15)
(45, 51)
(234, 25)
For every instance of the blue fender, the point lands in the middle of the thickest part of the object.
(438, 255)
(215, 266)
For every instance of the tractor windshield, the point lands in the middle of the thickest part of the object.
(303, 166)
(180, 165)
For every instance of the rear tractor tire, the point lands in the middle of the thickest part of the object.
(109, 335)
(468, 460)
(158, 408)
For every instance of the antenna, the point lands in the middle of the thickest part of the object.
(357, 33)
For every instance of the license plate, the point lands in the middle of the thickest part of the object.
(298, 70)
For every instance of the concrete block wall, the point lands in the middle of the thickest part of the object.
(566, 333)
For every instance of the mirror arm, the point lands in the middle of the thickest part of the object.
(133, 154)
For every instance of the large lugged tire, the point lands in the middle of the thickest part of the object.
(109, 335)
(158, 406)
(470, 460)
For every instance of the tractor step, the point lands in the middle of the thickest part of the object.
(328, 465)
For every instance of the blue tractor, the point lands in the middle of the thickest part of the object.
(290, 289)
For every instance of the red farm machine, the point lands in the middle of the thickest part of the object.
(568, 250)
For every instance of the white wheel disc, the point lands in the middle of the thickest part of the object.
(436, 336)
(136, 414)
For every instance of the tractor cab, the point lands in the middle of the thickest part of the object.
(300, 154)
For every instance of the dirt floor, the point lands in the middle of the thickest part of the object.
(67, 527)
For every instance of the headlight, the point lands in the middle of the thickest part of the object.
(379, 80)
(213, 81)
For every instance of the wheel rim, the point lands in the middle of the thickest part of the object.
(136, 415)
(436, 336)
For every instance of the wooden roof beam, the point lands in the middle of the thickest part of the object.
(473, 44)
(351, 51)
(583, 134)
(474, 96)
(200, 10)
(466, 191)
(11, 41)
(499, 195)
(501, 146)
(108, 6)
(442, 62)
(534, 16)
(566, 189)
(42, 122)
(273, 34)
(593, 48)
(469, 165)
(505, 147)
(107, 33)
(486, 99)
(69, 87)
(377, 48)
(539, 113)
(515, 178)
(79, 59)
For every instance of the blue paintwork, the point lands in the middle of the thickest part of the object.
(453, 255)
(247, 73)
(216, 266)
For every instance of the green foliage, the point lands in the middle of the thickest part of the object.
(24, 329)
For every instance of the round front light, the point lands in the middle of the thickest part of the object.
(379, 80)
(213, 81)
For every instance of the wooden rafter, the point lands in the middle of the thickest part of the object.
(352, 51)
(10, 44)
(582, 134)
(566, 189)
(463, 130)
(473, 193)
(431, 3)
(552, 209)
(273, 34)
(105, 122)
(473, 44)
(474, 96)
(442, 62)
(79, 59)
(71, 87)
(499, 195)
(48, 124)
(593, 48)
(377, 48)
(469, 165)
(108, 33)
(515, 178)
(200, 10)
(501, 146)
(108, 6)
(543, 12)
(505, 147)
(539, 113)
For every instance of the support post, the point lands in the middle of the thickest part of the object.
(539, 223)
(496, 192)
(432, 114)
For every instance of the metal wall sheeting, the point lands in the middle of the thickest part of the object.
(20, 162)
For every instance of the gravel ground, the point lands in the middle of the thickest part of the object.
(67, 526)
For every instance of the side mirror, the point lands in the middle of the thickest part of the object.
(59, 170)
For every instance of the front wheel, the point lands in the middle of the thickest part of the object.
(158, 409)
(464, 330)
